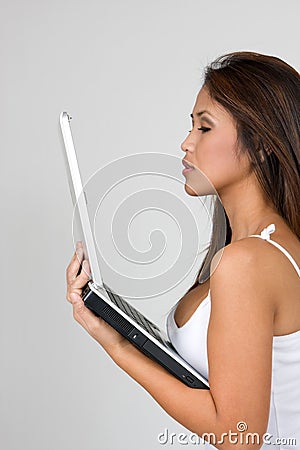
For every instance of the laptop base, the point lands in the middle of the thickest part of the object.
(102, 309)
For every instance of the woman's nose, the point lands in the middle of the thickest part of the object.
(187, 144)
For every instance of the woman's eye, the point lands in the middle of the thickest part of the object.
(204, 129)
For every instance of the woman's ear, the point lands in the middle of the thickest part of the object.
(261, 155)
(263, 150)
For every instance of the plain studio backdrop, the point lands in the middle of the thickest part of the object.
(128, 72)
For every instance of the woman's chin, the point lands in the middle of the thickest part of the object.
(189, 190)
(197, 183)
(205, 188)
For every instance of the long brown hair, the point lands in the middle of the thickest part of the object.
(262, 93)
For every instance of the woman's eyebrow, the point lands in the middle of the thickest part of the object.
(200, 113)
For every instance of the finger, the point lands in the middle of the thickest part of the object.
(76, 258)
(86, 267)
(73, 290)
(79, 244)
(80, 281)
(82, 278)
(84, 316)
(73, 267)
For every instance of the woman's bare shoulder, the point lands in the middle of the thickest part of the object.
(262, 249)
(243, 251)
(251, 257)
(263, 262)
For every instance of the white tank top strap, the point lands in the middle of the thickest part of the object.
(265, 234)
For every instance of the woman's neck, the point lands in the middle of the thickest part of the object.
(247, 209)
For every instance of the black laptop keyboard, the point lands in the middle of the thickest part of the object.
(135, 314)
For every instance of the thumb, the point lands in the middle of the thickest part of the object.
(75, 298)
(83, 315)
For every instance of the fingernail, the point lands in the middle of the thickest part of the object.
(79, 252)
(86, 266)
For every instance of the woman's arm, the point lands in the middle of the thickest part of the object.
(239, 352)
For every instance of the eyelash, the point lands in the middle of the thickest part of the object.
(203, 129)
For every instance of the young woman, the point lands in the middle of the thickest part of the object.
(241, 326)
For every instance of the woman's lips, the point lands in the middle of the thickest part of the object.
(187, 170)
(188, 167)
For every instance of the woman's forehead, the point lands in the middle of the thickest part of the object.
(204, 104)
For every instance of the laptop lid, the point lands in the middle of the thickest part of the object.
(78, 195)
(130, 324)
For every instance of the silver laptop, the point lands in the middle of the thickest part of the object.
(106, 303)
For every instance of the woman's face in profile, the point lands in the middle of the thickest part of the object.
(211, 146)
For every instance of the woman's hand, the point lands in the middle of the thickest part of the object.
(103, 333)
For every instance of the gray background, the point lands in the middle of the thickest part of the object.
(128, 72)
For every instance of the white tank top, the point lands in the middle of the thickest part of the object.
(190, 341)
